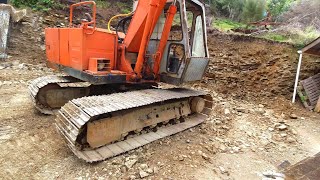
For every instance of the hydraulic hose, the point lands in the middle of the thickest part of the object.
(116, 16)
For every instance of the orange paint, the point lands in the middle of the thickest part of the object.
(154, 5)
(83, 47)
(72, 47)
(164, 38)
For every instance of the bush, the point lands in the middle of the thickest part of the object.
(42, 5)
(295, 36)
(278, 7)
(253, 10)
(226, 24)
(102, 4)
(226, 8)
(249, 10)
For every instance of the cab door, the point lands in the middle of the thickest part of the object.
(186, 55)
(199, 60)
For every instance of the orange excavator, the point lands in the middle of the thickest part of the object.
(110, 102)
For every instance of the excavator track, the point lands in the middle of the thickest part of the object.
(50, 93)
(85, 121)
(55, 88)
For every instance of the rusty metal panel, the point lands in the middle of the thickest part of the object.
(311, 90)
(308, 168)
(196, 69)
(4, 30)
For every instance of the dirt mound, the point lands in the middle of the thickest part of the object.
(246, 66)
(105, 10)
(26, 40)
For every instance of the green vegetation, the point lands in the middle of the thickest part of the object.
(41, 5)
(125, 9)
(234, 14)
(253, 10)
(276, 37)
(248, 10)
(102, 4)
(226, 24)
(296, 37)
(227, 8)
(277, 7)
(239, 10)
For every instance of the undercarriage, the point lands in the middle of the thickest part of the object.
(110, 122)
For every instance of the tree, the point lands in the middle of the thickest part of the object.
(253, 10)
(278, 7)
(226, 8)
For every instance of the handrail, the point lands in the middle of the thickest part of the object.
(94, 11)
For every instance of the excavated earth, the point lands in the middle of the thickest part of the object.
(252, 129)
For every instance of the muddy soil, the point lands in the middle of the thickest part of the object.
(241, 140)
(245, 66)
(252, 129)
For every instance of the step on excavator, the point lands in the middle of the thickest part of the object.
(109, 102)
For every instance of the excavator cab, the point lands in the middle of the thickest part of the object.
(186, 55)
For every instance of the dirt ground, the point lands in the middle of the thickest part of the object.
(252, 129)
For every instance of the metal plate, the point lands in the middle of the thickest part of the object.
(196, 69)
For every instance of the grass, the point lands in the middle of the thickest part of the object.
(297, 37)
(226, 24)
(37, 5)
(125, 9)
(102, 4)
(275, 37)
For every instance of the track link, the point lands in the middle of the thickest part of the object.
(38, 84)
(73, 118)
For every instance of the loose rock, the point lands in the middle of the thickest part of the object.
(282, 127)
(155, 170)
(222, 170)
(226, 111)
(283, 134)
(260, 111)
(143, 166)
(143, 174)
(277, 137)
(291, 140)
(223, 148)
(293, 116)
(204, 156)
(123, 169)
(130, 163)
(149, 170)
(241, 109)
(181, 158)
